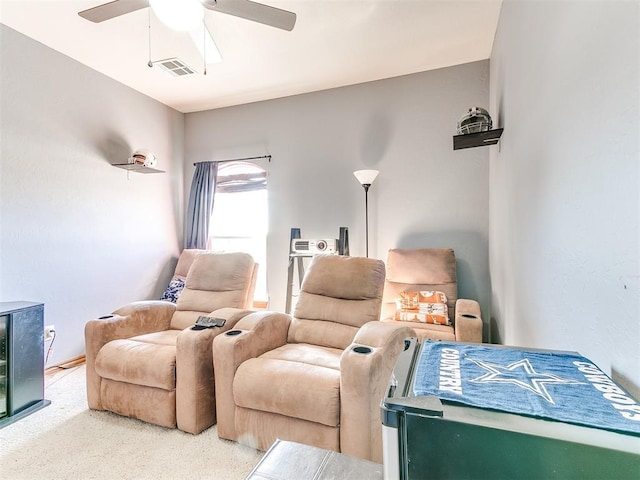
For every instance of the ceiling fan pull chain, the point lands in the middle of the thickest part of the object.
(150, 64)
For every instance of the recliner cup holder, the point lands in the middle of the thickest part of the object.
(105, 317)
(233, 333)
(362, 350)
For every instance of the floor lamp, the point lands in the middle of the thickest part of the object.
(366, 178)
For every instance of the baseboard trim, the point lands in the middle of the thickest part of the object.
(74, 362)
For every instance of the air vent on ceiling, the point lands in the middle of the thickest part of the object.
(174, 66)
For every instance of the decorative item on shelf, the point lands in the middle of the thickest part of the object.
(474, 129)
(366, 178)
(141, 161)
(144, 158)
(476, 120)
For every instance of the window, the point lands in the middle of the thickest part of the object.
(240, 216)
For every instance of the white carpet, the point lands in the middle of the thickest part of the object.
(66, 440)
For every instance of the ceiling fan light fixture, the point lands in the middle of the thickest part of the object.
(179, 15)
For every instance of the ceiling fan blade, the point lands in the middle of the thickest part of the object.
(110, 10)
(257, 12)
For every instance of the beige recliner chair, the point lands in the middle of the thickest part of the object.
(144, 361)
(316, 377)
(185, 260)
(431, 269)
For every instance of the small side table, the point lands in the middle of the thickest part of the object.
(295, 461)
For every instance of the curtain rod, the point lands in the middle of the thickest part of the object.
(237, 159)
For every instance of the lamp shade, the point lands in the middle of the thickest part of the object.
(366, 177)
(180, 15)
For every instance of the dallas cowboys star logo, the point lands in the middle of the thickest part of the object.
(522, 374)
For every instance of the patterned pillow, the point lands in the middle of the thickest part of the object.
(424, 307)
(173, 290)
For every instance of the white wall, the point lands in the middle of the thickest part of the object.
(565, 204)
(76, 233)
(426, 195)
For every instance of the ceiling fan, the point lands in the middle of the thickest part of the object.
(188, 15)
(257, 12)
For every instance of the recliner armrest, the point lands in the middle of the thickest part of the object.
(134, 319)
(379, 334)
(195, 408)
(365, 369)
(468, 321)
(231, 315)
(252, 336)
(257, 333)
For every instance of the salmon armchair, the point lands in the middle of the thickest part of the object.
(315, 377)
(145, 362)
(431, 269)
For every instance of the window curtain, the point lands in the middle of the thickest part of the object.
(203, 189)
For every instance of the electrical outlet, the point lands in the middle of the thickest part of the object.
(49, 332)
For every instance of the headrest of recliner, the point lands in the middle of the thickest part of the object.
(351, 278)
(428, 266)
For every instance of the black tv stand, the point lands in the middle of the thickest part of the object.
(21, 360)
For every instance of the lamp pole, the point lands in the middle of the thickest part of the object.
(366, 178)
(366, 217)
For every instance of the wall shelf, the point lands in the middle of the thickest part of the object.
(134, 167)
(480, 139)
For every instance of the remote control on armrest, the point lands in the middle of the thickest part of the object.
(208, 322)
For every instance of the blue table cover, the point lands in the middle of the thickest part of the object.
(557, 386)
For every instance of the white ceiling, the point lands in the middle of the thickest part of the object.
(334, 43)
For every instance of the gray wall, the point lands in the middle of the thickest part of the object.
(76, 233)
(564, 241)
(426, 195)
(84, 237)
